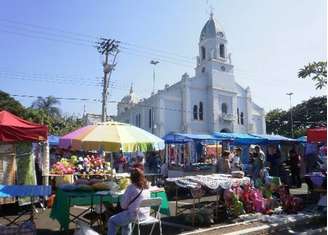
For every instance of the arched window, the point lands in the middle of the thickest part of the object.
(238, 115)
(222, 51)
(242, 118)
(150, 118)
(201, 115)
(224, 108)
(195, 112)
(203, 53)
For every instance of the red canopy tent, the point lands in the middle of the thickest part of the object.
(13, 129)
(317, 135)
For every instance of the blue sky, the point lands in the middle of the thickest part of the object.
(269, 42)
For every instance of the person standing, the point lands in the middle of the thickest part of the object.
(295, 166)
(223, 164)
(273, 160)
(235, 162)
(258, 162)
(135, 193)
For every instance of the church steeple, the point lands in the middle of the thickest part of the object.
(212, 44)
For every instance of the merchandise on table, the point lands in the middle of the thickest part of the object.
(91, 164)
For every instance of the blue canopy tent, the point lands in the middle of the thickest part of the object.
(53, 140)
(181, 138)
(302, 139)
(239, 138)
(275, 139)
(196, 141)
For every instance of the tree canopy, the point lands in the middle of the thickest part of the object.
(310, 113)
(48, 105)
(317, 71)
(43, 111)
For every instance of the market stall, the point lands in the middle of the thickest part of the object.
(198, 185)
(69, 196)
(317, 135)
(94, 148)
(189, 154)
(17, 158)
(17, 165)
(316, 158)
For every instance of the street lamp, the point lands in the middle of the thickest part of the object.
(291, 112)
(154, 63)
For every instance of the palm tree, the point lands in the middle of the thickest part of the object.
(47, 104)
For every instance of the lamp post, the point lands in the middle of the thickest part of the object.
(291, 113)
(154, 63)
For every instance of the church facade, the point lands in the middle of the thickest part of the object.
(209, 101)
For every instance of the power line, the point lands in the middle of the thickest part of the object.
(81, 37)
(59, 98)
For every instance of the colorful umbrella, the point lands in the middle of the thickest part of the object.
(111, 136)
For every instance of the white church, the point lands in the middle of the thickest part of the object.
(209, 101)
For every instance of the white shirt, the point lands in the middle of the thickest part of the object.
(130, 193)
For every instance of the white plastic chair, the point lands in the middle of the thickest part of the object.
(153, 202)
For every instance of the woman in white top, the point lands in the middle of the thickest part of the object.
(134, 194)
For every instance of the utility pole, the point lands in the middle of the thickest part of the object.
(154, 63)
(107, 47)
(291, 113)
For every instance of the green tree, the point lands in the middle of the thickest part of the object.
(10, 104)
(44, 111)
(312, 112)
(317, 71)
(48, 104)
(277, 122)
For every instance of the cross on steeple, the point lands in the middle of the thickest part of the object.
(211, 11)
(131, 88)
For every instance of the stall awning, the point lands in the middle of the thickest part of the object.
(239, 138)
(14, 129)
(275, 139)
(53, 140)
(180, 138)
(316, 135)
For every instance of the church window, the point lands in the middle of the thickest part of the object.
(238, 116)
(150, 118)
(125, 109)
(224, 108)
(201, 115)
(195, 112)
(222, 51)
(203, 53)
(138, 120)
(242, 118)
(203, 70)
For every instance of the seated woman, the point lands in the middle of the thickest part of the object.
(134, 194)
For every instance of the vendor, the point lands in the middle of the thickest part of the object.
(223, 164)
(235, 161)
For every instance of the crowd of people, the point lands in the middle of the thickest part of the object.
(270, 163)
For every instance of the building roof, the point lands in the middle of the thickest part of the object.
(211, 29)
(131, 98)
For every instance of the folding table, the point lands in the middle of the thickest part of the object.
(32, 191)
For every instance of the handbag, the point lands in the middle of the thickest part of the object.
(115, 210)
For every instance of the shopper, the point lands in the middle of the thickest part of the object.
(295, 166)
